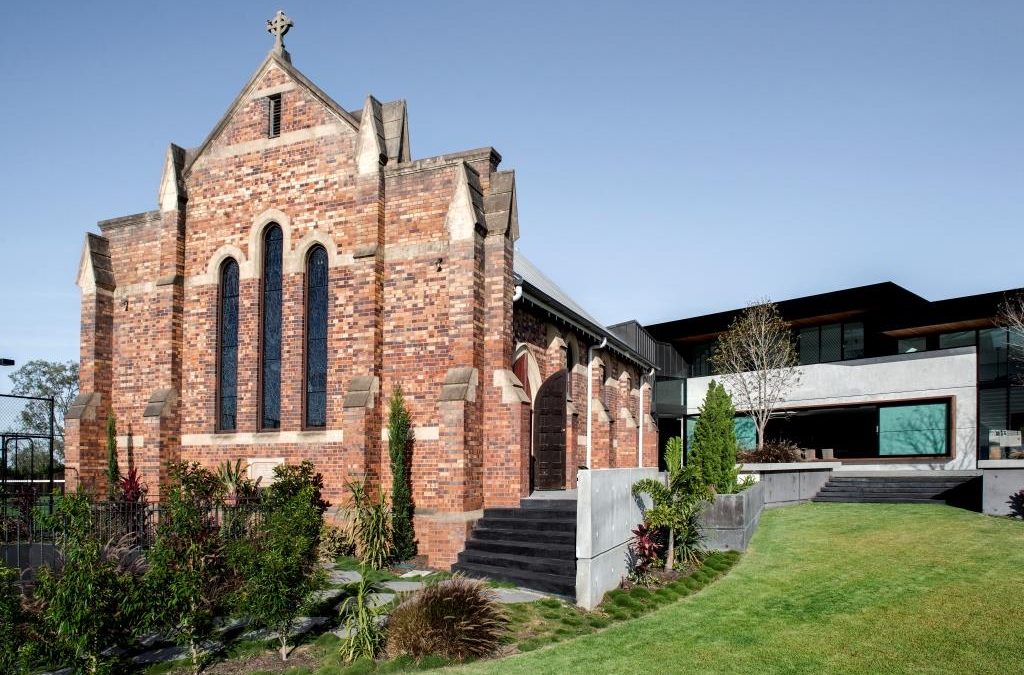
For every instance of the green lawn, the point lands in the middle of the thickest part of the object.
(853, 588)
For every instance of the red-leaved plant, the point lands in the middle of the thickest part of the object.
(131, 487)
(645, 549)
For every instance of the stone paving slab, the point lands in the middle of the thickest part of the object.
(302, 626)
(344, 576)
(375, 600)
(327, 595)
(512, 596)
(412, 574)
(403, 586)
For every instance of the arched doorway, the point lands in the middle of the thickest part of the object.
(549, 433)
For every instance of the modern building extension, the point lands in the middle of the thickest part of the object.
(889, 381)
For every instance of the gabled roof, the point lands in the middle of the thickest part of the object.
(544, 293)
(283, 61)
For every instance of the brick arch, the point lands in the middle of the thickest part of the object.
(254, 265)
(212, 274)
(295, 261)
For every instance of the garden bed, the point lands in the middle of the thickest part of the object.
(730, 520)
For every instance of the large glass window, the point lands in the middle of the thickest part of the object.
(700, 359)
(963, 338)
(316, 338)
(831, 342)
(991, 354)
(907, 430)
(912, 345)
(270, 361)
(227, 348)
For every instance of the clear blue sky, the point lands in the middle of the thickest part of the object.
(673, 158)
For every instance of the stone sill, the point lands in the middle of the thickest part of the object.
(1001, 463)
(789, 466)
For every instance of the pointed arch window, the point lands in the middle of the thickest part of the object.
(270, 324)
(316, 338)
(227, 347)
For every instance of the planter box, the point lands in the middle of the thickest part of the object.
(788, 483)
(730, 521)
(1000, 479)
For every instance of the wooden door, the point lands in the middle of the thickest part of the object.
(549, 433)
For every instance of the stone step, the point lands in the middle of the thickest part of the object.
(565, 505)
(547, 583)
(526, 563)
(484, 532)
(880, 500)
(538, 525)
(567, 517)
(531, 547)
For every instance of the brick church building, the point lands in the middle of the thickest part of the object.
(300, 265)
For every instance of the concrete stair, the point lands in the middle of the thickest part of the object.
(917, 488)
(533, 546)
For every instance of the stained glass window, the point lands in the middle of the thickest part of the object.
(316, 338)
(227, 371)
(271, 324)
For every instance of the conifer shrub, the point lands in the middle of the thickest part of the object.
(712, 455)
(399, 444)
(113, 472)
(456, 619)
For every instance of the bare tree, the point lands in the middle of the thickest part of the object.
(756, 360)
(1011, 316)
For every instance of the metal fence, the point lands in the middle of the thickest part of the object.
(30, 450)
(30, 527)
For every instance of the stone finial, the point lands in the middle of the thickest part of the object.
(278, 27)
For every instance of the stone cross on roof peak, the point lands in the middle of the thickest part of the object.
(278, 27)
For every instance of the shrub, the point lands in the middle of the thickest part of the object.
(93, 598)
(279, 566)
(457, 618)
(335, 541)
(772, 452)
(11, 639)
(644, 550)
(188, 578)
(361, 620)
(1016, 503)
(372, 526)
(399, 443)
(713, 450)
(238, 487)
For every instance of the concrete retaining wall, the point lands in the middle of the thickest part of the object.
(788, 483)
(730, 521)
(1000, 479)
(606, 513)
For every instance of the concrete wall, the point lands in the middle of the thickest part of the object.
(606, 514)
(904, 377)
(730, 521)
(790, 483)
(1001, 478)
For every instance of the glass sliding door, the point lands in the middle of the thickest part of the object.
(911, 430)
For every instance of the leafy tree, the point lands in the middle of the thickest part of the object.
(113, 472)
(189, 581)
(279, 567)
(399, 442)
(757, 361)
(1011, 316)
(11, 639)
(46, 379)
(713, 450)
(93, 599)
(676, 504)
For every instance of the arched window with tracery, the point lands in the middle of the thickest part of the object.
(316, 338)
(227, 347)
(270, 329)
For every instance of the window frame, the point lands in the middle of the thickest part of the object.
(305, 336)
(275, 109)
(260, 411)
(218, 379)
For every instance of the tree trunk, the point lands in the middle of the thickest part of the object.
(670, 557)
(193, 649)
(284, 646)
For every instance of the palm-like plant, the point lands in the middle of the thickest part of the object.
(676, 503)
